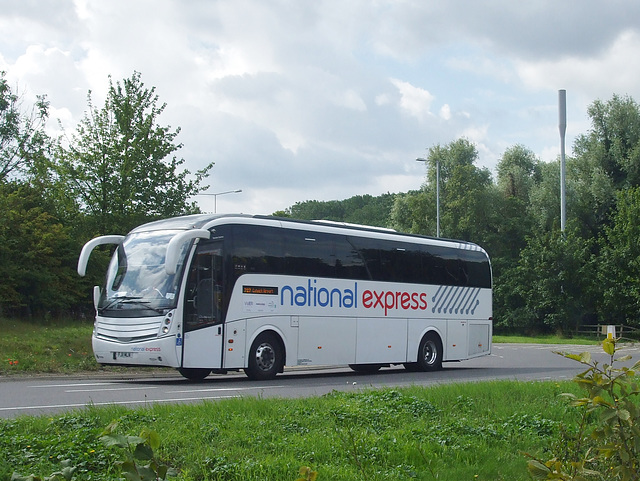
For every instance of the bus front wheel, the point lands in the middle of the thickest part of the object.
(430, 353)
(266, 357)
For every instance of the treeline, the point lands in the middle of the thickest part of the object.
(544, 280)
(117, 169)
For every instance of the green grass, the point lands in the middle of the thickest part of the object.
(546, 340)
(28, 348)
(475, 431)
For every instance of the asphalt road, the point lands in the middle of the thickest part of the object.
(46, 395)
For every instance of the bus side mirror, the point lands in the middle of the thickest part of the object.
(96, 296)
(87, 249)
(175, 246)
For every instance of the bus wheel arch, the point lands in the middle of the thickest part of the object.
(266, 357)
(430, 352)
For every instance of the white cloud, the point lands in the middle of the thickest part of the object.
(613, 70)
(325, 100)
(415, 101)
(445, 112)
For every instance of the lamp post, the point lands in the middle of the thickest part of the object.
(420, 159)
(216, 194)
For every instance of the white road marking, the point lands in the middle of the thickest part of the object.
(226, 389)
(110, 403)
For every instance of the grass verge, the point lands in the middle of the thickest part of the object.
(450, 432)
(547, 340)
(60, 347)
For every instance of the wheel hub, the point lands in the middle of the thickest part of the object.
(265, 357)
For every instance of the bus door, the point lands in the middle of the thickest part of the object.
(203, 323)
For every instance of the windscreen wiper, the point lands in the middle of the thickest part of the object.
(132, 300)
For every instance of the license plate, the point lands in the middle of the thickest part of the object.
(123, 355)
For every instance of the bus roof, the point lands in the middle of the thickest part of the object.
(209, 221)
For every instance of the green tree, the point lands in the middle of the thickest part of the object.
(519, 172)
(409, 213)
(120, 164)
(359, 209)
(22, 135)
(554, 281)
(619, 262)
(614, 140)
(465, 195)
(38, 256)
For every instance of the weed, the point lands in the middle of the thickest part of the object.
(606, 442)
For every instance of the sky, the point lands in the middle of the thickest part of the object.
(299, 100)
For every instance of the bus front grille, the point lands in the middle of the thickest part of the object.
(123, 330)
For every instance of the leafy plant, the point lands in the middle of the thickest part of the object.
(139, 463)
(66, 473)
(307, 474)
(607, 443)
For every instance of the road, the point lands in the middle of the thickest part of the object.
(49, 395)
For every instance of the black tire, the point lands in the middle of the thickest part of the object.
(194, 374)
(430, 353)
(365, 368)
(411, 366)
(266, 357)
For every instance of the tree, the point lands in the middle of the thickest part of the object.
(519, 173)
(555, 281)
(465, 198)
(409, 213)
(359, 209)
(38, 256)
(619, 262)
(120, 164)
(22, 136)
(614, 140)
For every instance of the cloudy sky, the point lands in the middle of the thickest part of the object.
(326, 99)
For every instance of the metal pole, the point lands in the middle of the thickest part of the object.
(438, 198)
(562, 124)
(215, 197)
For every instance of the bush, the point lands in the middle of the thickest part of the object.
(607, 443)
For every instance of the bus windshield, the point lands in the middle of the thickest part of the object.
(137, 283)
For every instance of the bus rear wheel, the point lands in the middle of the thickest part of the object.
(194, 374)
(430, 353)
(266, 357)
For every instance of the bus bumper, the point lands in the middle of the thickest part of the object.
(159, 352)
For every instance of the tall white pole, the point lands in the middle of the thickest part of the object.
(437, 197)
(562, 125)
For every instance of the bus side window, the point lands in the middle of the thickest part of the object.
(203, 305)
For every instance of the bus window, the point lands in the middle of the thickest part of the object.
(256, 250)
(204, 288)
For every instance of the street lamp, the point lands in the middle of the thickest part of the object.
(215, 197)
(420, 159)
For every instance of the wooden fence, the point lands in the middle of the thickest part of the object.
(601, 330)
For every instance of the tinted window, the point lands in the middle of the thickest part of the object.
(256, 250)
(423, 264)
(273, 250)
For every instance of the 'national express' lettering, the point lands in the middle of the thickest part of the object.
(312, 295)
